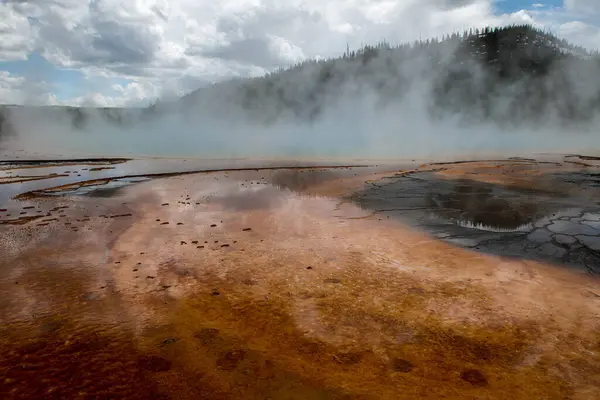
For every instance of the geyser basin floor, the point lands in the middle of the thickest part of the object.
(518, 208)
(268, 284)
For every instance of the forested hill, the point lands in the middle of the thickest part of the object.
(509, 75)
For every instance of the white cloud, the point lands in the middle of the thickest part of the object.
(15, 34)
(165, 45)
(15, 89)
(582, 5)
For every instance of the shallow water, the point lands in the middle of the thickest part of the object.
(262, 284)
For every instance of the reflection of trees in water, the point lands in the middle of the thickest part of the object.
(6, 128)
(301, 180)
(478, 205)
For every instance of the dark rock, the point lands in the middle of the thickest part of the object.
(168, 341)
(347, 358)
(230, 360)
(154, 363)
(400, 365)
(247, 229)
(474, 377)
(207, 336)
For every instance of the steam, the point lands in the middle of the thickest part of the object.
(381, 104)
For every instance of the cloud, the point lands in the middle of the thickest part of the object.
(170, 47)
(582, 5)
(16, 35)
(15, 89)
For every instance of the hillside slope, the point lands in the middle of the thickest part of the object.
(511, 75)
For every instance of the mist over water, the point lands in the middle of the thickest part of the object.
(359, 134)
(423, 102)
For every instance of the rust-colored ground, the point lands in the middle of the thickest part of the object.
(223, 286)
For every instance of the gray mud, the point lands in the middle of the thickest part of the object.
(560, 227)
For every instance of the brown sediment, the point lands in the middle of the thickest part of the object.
(100, 168)
(89, 361)
(525, 175)
(21, 220)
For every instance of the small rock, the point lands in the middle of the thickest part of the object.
(207, 336)
(332, 280)
(213, 225)
(474, 377)
(347, 358)
(230, 360)
(154, 363)
(168, 341)
(400, 365)
(247, 229)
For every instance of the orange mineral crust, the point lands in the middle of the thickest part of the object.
(294, 284)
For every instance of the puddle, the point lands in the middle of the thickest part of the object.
(31, 179)
(102, 188)
(496, 219)
(484, 207)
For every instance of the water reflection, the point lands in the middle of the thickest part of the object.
(479, 206)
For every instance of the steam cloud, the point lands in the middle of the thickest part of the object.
(445, 98)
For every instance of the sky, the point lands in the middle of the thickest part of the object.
(114, 53)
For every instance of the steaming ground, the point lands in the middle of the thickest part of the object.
(352, 133)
